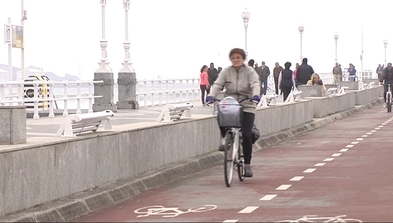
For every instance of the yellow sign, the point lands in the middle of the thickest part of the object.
(17, 37)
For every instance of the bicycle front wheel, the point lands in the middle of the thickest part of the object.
(240, 164)
(228, 160)
(389, 102)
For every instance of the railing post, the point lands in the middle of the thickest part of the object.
(2, 92)
(91, 86)
(51, 98)
(20, 93)
(65, 109)
(36, 116)
(78, 100)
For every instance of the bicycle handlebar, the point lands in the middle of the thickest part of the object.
(218, 100)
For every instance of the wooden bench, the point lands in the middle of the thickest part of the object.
(172, 112)
(83, 123)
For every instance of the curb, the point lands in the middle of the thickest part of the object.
(90, 201)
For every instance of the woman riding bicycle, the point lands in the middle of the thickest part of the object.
(240, 82)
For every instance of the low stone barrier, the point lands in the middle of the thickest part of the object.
(311, 90)
(324, 106)
(13, 126)
(367, 95)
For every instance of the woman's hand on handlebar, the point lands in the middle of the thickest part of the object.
(256, 98)
(210, 99)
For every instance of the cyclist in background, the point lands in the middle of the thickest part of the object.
(387, 78)
(241, 82)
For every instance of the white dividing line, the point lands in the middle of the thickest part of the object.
(248, 210)
(320, 164)
(373, 130)
(299, 178)
(369, 133)
(343, 150)
(364, 136)
(359, 139)
(349, 146)
(381, 126)
(337, 154)
(284, 187)
(310, 170)
(328, 159)
(377, 128)
(230, 221)
(354, 143)
(268, 197)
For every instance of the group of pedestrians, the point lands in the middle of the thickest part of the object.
(207, 78)
(286, 79)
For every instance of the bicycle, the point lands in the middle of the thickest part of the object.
(170, 212)
(229, 116)
(389, 99)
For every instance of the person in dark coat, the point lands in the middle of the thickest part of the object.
(212, 73)
(286, 80)
(304, 72)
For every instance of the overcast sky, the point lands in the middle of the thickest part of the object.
(174, 38)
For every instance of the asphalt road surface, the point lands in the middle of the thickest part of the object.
(339, 173)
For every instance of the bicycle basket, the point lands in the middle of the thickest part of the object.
(229, 113)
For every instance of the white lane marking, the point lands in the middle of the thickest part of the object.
(268, 197)
(354, 143)
(364, 136)
(360, 139)
(337, 154)
(310, 170)
(377, 128)
(248, 210)
(343, 150)
(28, 128)
(328, 159)
(230, 221)
(320, 164)
(381, 126)
(349, 146)
(373, 130)
(298, 178)
(284, 187)
(369, 133)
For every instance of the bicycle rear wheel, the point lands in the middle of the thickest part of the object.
(228, 160)
(389, 102)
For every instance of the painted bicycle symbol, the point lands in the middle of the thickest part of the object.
(315, 218)
(170, 212)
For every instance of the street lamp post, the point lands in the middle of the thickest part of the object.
(23, 18)
(301, 30)
(246, 17)
(104, 63)
(105, 74)
(336, 38)
(127, 81)
(127, 63)
(385, 44)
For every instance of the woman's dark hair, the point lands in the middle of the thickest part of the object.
(204, 66)
(251, 63)
(287, 65)
(238, 51)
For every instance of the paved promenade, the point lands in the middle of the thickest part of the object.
(340, 169)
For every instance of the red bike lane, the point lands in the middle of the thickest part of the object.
(340, 169)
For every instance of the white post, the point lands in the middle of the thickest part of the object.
(301, 30)
(10, 52)
(104, 63)
(91, 86)
(385, 43)
(127, 65)
(246, 15)
(336, 39)
(24, 17)
(78, 100)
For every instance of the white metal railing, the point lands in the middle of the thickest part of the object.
(40, 94)
(165, 91)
